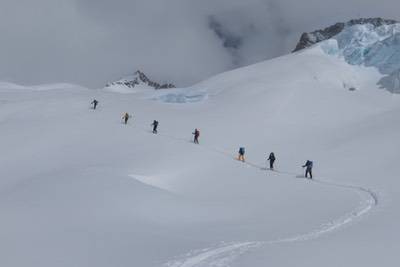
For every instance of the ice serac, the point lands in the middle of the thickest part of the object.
(391, 82)
(312, 38)
(139, 79)
(364, 42)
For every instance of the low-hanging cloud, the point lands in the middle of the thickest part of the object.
(91, 42)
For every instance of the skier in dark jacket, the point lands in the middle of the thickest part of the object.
(126, 117)
(241, 154)
(95, 103)
(271, 159)
(155, 125)
(308, 166)
(196, 134)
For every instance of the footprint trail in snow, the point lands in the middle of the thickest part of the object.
(224, 254)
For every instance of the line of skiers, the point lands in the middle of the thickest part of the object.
(308, 165)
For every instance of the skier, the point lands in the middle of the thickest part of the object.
(155, 125)
(94, 103)
(196, 134)
(308, 166)
(126, 117)
(241, 154)
(271, 159)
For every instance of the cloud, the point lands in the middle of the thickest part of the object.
(91, 42)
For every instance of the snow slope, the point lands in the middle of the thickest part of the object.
(78, 188)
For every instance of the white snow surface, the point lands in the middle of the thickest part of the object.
(79, 188)
(123, 89)
(6, 86)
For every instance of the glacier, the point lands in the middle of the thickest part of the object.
(369, 46)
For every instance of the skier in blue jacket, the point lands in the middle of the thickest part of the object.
(308, 166)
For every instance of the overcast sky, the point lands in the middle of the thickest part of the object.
(90, 42)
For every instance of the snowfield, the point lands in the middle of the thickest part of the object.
(79, 188)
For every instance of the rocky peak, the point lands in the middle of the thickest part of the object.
(139, 78)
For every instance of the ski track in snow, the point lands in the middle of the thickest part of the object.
(223, 254)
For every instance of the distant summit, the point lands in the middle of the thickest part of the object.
(139, 79)
(312, 38)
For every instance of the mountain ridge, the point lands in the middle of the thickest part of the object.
(139, 78)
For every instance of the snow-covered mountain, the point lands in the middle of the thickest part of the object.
(79, 188)
(138, 80)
